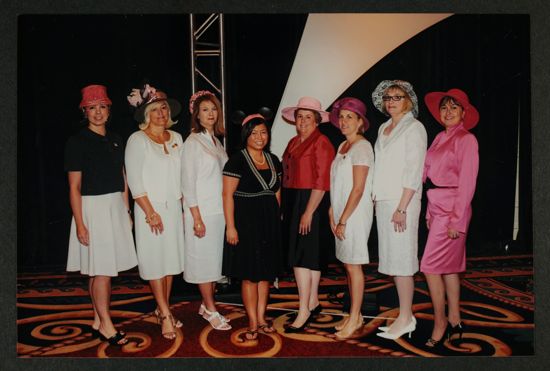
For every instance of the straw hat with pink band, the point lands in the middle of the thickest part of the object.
(307, 103)
(433, 100)
(94, 94)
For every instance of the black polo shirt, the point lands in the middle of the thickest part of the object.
(99, 158)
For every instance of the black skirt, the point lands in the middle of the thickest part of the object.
(315, 249)
(258, 255)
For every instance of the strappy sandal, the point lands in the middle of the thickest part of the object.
(115, 339)
(266, 328)
(249, 335)
(175, 322)
(214, 317)
(170, 335)
(202, 309)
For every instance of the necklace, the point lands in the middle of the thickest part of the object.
(259, 162)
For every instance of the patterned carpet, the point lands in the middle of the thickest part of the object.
(54, 317)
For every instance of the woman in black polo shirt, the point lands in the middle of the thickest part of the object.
(100, 243)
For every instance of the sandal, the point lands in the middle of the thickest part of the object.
(115, 339)
(170, 335)
(202, 309)
(217, 321)
(266, 328)
(175, 322)
(249, 335)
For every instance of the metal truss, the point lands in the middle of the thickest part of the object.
(206, 44)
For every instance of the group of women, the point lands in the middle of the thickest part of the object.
(190, 197)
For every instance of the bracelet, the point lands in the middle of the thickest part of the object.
(149, 218)
(339, 223)
(401, 211)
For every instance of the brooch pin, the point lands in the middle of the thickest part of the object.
(174, 145)
(115, 144)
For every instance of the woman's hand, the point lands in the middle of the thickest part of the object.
(399, 221)
(331, 221)
(82, 235)
(305, 223)
(199, 228)
(428, 222)
(340, 231)
(231, 236)
(155, 223)
(453, 233)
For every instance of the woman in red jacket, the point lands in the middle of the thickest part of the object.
(306, 179)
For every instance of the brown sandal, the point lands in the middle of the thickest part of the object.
(249, 335)
(267, 328)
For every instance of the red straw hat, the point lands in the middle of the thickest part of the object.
(433, 99)
(94, 94)
(307, 103)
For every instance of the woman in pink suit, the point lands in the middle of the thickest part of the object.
(450, 173)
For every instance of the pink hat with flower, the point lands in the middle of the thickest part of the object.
(307, 103)
(94, 94)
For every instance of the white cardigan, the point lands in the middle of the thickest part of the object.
(150, 171)
(399, 159)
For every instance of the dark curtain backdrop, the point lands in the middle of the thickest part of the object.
(487, 56)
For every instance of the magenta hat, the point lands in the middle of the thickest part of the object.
(433, 99)
(308, 103)
(94, 94)
(350, 104)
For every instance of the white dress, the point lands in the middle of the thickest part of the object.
(203, 159)
(353, 249)
(152, 172)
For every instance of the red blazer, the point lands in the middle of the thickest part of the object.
(307, 165)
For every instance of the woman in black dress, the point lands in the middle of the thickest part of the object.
(251, 199)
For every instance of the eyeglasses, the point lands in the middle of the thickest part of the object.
(395, 98)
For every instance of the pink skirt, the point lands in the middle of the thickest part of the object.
(442, 254)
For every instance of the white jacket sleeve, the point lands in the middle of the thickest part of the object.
(416, 144)
(190, 155)
(133, 158)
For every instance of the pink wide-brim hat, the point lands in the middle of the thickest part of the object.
(350, 104)
(471, 115)
(94, 94)
(308, 103)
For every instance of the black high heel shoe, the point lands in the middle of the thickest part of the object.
(438, 344)
(292, 330)
(315, 311)
(457, 329)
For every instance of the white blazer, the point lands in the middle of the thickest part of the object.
(202, 161)
(399, 159)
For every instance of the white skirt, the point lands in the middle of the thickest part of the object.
(203, 256)
(397, 251)
(160, 255)
(111, 249)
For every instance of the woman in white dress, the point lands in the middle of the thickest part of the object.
(351, 209)
(397, 189)
(203, 158)
(100, 243)
(153, 165)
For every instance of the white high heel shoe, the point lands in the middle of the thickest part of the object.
(386, 328)
(202, 309)
(396, 335)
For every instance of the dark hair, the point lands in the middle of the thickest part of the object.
(247, 128)
(446, 99)
(317, 115)
(196, 126)
(85, 122)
